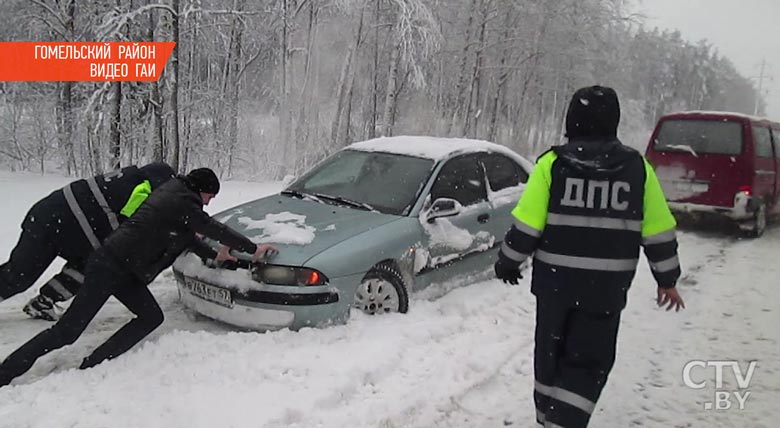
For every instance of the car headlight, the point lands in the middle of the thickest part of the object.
(286, 275)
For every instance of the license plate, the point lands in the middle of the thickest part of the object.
(682, 185)
(687, 186)
(213, 294)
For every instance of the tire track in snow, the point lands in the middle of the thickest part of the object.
(652, 356)
(437, 363)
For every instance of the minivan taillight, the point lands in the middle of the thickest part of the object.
(746, 190)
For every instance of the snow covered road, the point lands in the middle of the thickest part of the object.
(463, 360)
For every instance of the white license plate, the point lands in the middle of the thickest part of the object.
(687, 186)
(208, 292)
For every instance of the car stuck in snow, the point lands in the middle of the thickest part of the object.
(363, 229)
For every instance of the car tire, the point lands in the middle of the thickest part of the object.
(382, 290)
(759, 222)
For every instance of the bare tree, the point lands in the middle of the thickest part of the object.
(232, 84)
(175, 144)
(472, 113)
(414, 36)
(504, 73)
(461, 80)
(115, 120)
(340, 127)
(59, 18)
(156, 102)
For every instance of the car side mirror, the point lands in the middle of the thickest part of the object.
(443, 207)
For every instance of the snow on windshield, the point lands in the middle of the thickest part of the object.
(698, 136)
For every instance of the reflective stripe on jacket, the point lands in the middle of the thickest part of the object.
(97, 205)
(585, 225)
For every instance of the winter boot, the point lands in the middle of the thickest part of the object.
(41, 307)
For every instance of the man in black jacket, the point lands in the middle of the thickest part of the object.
(588, 207)
(143, 246)
(71, 223)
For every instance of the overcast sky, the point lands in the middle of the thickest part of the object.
(746, 31)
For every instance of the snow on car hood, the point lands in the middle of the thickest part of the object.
(300, 229)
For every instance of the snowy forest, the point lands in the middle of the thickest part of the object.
(266, 88)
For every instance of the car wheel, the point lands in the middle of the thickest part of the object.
(759, 222)
(382, 291)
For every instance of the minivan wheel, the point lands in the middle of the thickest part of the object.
(382, 291)
(759, 222)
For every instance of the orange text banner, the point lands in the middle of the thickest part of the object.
(81, 62)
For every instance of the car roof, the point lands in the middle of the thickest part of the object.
(709, 114)
(435, 148)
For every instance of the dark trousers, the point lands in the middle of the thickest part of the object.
(42, 239)
(30, 257)
(573, 355)
(104, 277)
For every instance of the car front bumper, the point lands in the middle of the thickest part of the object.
(273, 307)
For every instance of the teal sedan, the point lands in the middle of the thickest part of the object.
(363, 229)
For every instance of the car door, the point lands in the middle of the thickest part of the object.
(452, 242)
(764, 185)
(506, 180)
(776, 147)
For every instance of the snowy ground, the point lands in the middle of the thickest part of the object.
(463, 360)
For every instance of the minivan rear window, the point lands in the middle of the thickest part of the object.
(700, 136)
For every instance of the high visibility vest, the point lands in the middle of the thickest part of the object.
(98, 203)
(585, 230)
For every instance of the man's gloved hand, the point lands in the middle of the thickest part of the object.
(508, 271)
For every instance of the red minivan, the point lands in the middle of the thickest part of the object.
(711, 162)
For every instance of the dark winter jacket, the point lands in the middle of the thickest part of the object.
(82, 214)
(588, 207)
(163, 227)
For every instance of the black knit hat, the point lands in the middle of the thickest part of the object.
(203, 180)
(594, 111)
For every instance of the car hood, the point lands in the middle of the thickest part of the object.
(300, 228)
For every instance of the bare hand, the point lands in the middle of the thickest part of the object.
(223, 254)
(671, 298)
(264, 252)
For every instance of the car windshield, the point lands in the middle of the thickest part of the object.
(388, 183)
(700, 136)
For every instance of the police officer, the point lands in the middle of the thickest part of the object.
(70, 223)
(588, 207)
(130, 259)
